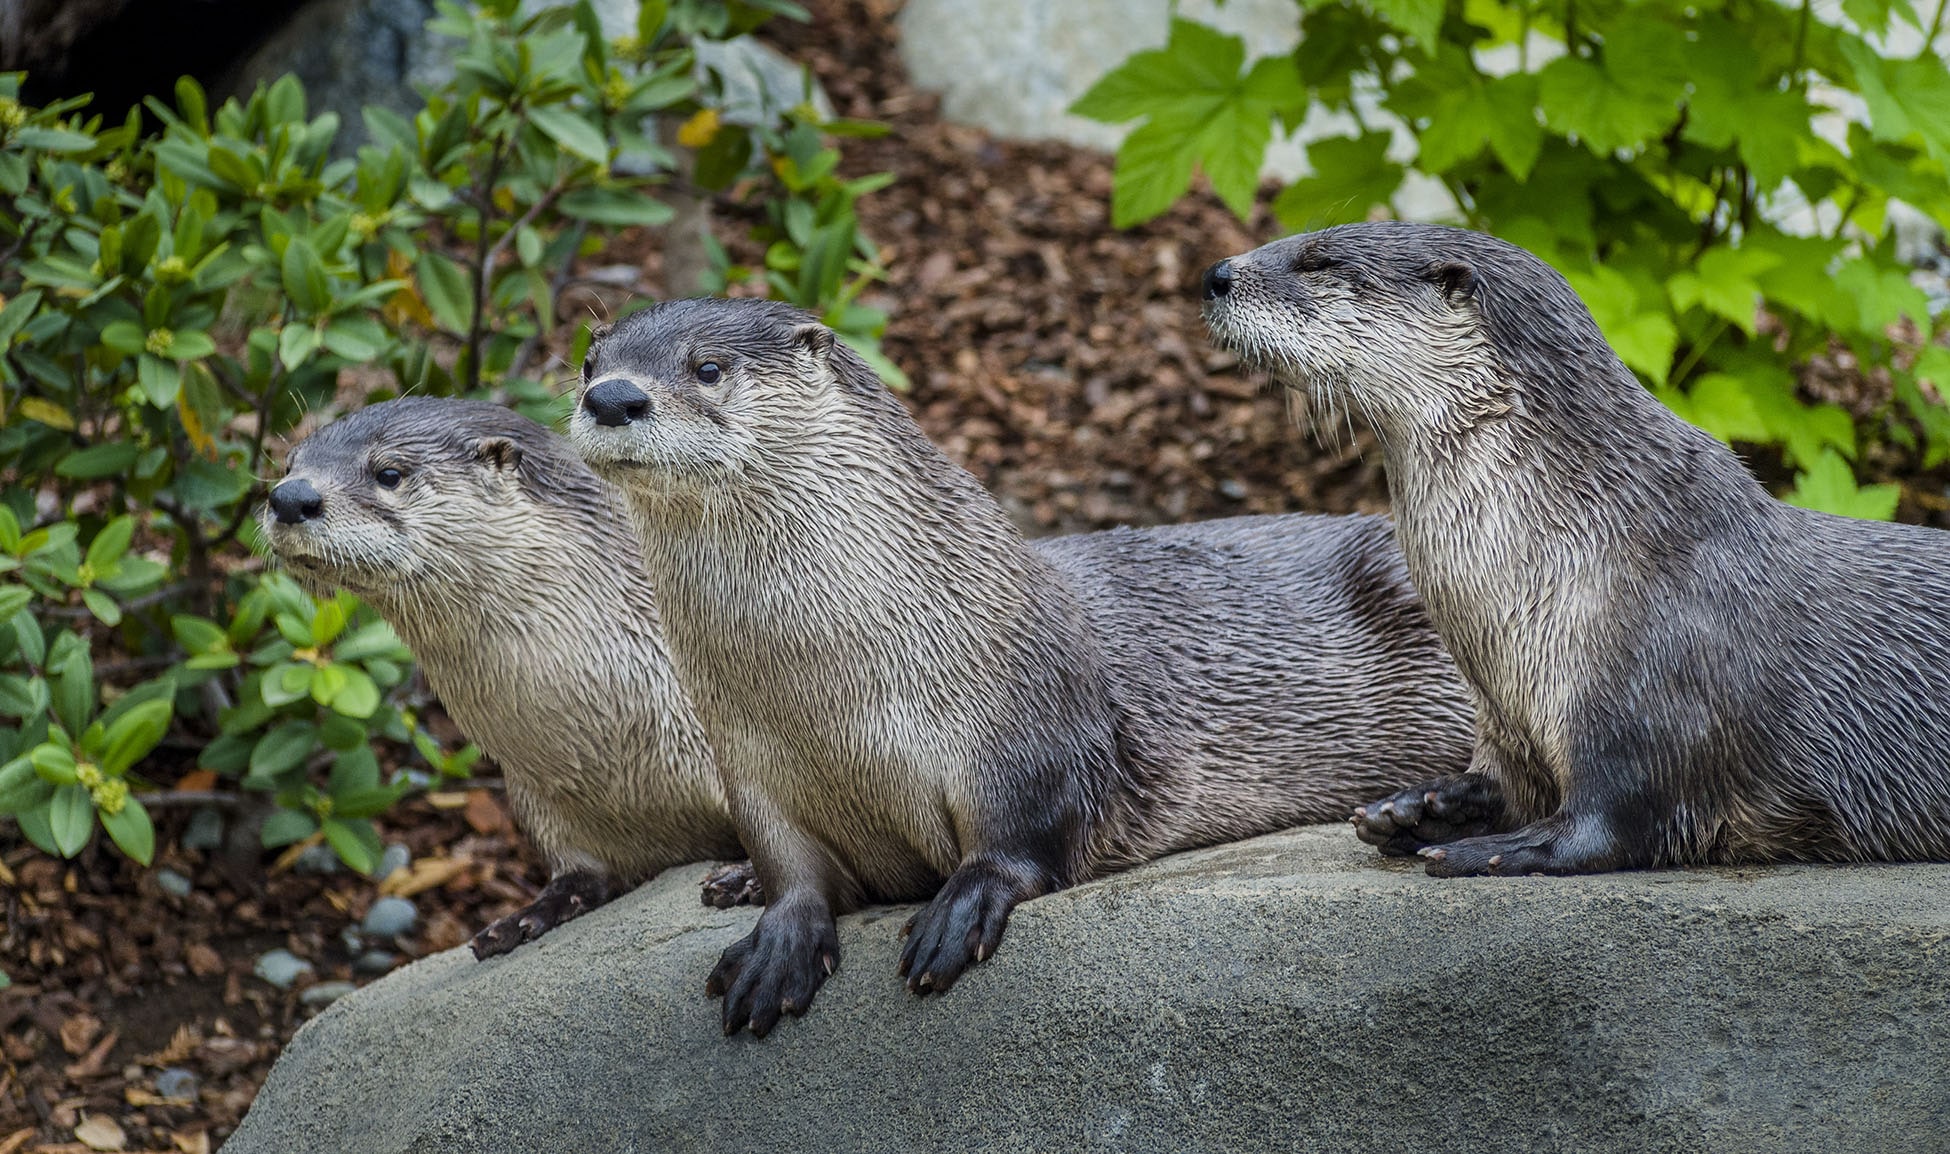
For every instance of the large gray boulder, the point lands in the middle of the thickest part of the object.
(1289, 993)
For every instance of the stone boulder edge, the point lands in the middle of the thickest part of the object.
(1289, 992)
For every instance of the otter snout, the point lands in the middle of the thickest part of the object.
(616, 402)
(295, 501)
(1217, 280)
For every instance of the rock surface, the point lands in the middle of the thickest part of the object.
(1291, 992)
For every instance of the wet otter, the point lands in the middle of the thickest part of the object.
(1669, 665)
(908, 700)
(509, 570)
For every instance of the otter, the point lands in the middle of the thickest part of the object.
(910, 702)
(1669, 666)
(510, 571)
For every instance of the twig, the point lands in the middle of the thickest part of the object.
(184, 797)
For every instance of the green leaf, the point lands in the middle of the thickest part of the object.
(285, 683)
(98, 461)
(327, 622)
(21, 787)
(74, 693)
(616, 207)
(326, 682)
(54, 762)
(1724, 282)
(71, 817)
(1587, 102)
(53, 140)
(161, 380)
(197, 635)
(1203, 112)
(355, 841)
(1829, 486)
(102, 606)
(358, 696)
(131, 829)
(297, 341)
(285, 826)
(444, 286)
(374, 639)
(304, 277)
(572, 131)
(1351, 175)
(354, 770)
(134, 735)
(22, 697)
(282, 750)
(1421, 19)
(356, 338)
(1905, 97)
(14, 598)
(111, 543)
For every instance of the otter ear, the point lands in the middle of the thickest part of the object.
(1456, 280)
(499, 452)
(818, 339)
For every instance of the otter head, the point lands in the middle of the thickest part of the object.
(1423, 328)
(407, 497)
(699, 395)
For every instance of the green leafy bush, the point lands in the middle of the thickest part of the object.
(172, 303)
(1682, 163)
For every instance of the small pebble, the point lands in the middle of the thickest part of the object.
(352, 939)
(176, 1082)
(173, 883)
(281, 968)
(325, 993)
(375, 962)
(389, 917)
(396, 857)
(317, 859)
(205, 830)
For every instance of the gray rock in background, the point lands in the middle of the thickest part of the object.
(349, 54)
(1287, 993)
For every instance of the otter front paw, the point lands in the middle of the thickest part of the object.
(733, 884)
(1457, 806)
(777, 968)
(566, 897)
(962, 925)
(1553, 846)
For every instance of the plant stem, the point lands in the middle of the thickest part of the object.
(1929, 36)
(484, 202)
(1694, 354)
(1795, 76)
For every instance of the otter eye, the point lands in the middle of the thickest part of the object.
(388, 478)
(709, 372)
(1314, 262)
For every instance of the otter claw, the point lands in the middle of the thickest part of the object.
(1433, 852)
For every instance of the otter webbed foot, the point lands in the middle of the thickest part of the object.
(962, 925)
(1460, 805)
(1556, 845)
(567, 896)
(777, 968)
(734, 883)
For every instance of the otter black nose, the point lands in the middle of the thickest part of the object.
(295, 500)
(616, 402)
(1217, 281)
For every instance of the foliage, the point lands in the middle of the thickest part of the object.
(1683, 164)
(171, 302)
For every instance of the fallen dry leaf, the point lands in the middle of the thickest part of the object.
(484, 812)
(77, 1032)
(182, 1044)
(452, 800)
(101, 1132)
(197, 779)
(203, 961)
(425, 874)
(14, 1141)
(91, 1065)
(194, 1143)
